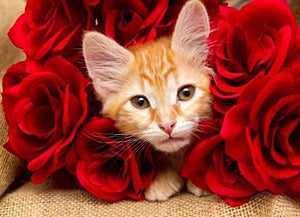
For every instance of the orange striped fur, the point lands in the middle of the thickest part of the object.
(157, 73)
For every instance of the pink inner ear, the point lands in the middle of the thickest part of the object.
(106, 62)
(103, 53)
(192, 28)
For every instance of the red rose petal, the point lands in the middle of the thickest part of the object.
(279, 10)
(234, 132)
(115, 176)
(156, 15)
(37, 122)
(262, 52)
(264, 101)
(127, 32)
(294, 184)
(219, 187)
(284, 36)
(82, 177)
(17, 32)
(251, 175)
(267, 169)
(42, 159)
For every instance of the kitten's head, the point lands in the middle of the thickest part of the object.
(158, 91)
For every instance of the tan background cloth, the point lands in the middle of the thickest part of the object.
(55, 198)
(9, 11)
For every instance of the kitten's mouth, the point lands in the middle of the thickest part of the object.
(173, 139)
(172, 144)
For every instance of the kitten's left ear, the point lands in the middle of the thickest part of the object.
(191, 31)
(106, 62)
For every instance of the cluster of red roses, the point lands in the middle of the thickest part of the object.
(254, 141)
(251, 145)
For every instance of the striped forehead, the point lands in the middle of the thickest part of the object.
(156, 64)
(154, 59)
(157, 75)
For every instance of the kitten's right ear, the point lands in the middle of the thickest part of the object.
(106, 62)
(191, 31)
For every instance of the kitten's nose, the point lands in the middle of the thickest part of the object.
(167, 127)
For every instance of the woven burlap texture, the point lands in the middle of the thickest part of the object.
(55, 198)
(9, 11)
(52, 199)
(8, 163)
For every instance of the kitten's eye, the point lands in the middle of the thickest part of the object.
(186, 93)
(140, 102)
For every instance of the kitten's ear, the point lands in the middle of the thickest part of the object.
(106, 62)
(191, 31)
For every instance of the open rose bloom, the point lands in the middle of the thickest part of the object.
(44, 105)
(107, 166)
(252, 144)
(256, 145)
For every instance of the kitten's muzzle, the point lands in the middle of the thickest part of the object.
(167, 127)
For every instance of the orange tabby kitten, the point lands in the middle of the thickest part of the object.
(158, 91)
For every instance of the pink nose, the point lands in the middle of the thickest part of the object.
(167, 127)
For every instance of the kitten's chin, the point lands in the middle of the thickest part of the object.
(172, 145)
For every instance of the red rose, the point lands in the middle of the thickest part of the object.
(11, 88)
(136, 21)
(212, 7)
(51, 27)
(293, 56)
(91, 2)
(262, 132)
(251, 41)
(44, 106)
(209, 167)
(107, 165)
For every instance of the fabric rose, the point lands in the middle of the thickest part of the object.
(209, 167)
(91, 2)
(51, 27)
(44, 106)
(250, 42)
(212, 7)
(108, 165)
(262, 132)
(136, 21)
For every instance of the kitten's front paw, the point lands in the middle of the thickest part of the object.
(195, 190)
(164, 185)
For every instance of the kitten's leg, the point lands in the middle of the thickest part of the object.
(195, 190)
(166, 183)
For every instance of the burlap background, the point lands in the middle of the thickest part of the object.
(56, 198)
(9, 10)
